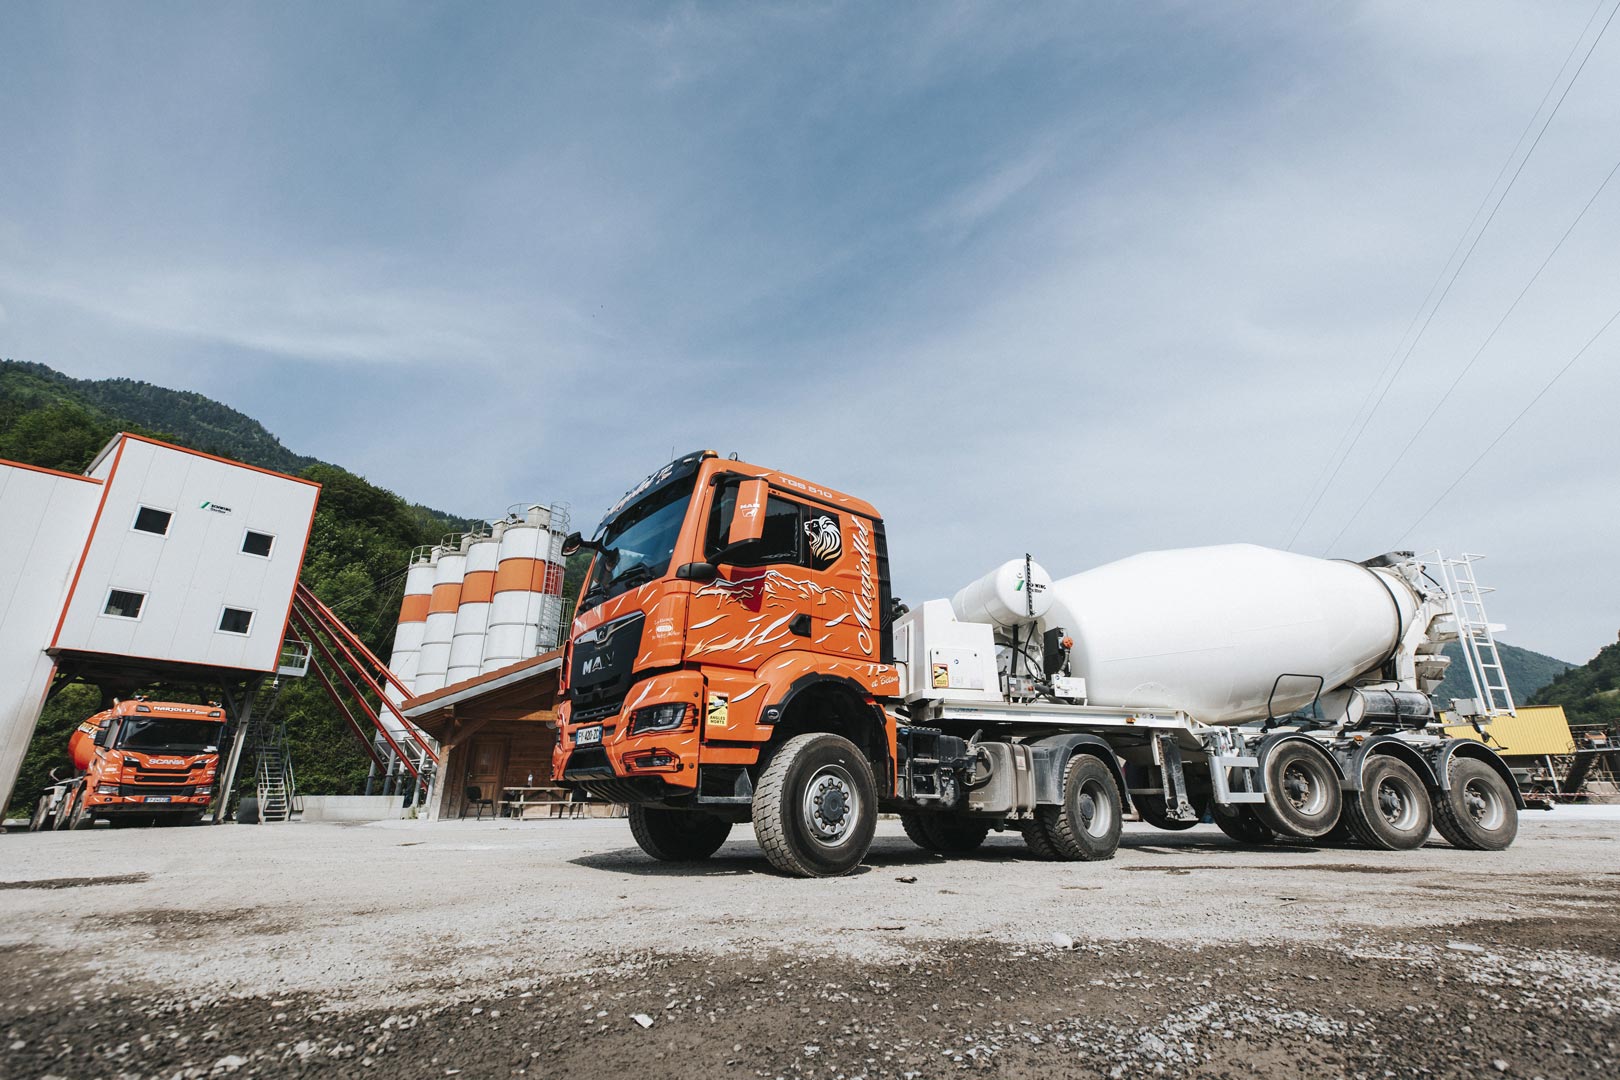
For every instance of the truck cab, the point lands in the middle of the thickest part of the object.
(142, 759)
(728, 607)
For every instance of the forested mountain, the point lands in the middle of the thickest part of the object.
(1590, 694)
(356, 560)
(1527, 672)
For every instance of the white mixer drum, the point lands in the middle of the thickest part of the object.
(1004, 598)
(1209, 630)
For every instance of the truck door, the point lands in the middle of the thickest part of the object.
(798, 587)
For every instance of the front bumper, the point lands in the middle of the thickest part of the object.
(644, 767)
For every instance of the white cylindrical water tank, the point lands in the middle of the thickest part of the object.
(1017, 592)
(1211, 630)
(472, 614)
(441, 620)
(529, 574)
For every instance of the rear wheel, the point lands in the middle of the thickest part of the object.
(66, 808)
(815, 806)
(956, 835)
(42, 814)
(916, 830)
(1087, 825)
(1039, 843)
(1242, 824)
(1302, 792)
(1391, 811)
(677, 835)
(1478, 813)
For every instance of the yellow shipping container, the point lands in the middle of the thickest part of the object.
(1535, 731)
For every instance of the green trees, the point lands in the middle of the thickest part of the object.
(1590, 694)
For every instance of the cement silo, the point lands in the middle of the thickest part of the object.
(440, 629)
(472, 613)
(525, 611)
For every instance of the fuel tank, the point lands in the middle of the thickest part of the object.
(1218, 631)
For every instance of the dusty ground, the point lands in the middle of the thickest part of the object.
(501, 949)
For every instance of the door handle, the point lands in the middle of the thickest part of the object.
(800, 625)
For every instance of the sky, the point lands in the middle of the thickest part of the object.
(1076, 280)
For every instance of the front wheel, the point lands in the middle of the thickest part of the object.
(815, 807)
(1478, 813)
(66, 809)
(1087, 825)
(677, 835)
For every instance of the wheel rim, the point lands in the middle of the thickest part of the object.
(1398, 803)
(1305, 788)
(1095, 808)
(831, 805)
(1484, 804)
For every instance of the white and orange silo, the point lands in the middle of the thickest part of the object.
(440, 629)
(413, 613)
(472, 612)
(524, 611)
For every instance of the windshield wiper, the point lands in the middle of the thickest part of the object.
(630, 575)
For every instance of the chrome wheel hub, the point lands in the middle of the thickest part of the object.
(831, 805)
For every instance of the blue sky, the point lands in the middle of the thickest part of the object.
(1068, 279)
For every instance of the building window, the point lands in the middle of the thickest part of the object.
(151, 520)
(257, 543)
(235, 621)
(122, 604)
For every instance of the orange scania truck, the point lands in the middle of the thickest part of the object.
(139, 762)
(736, 655)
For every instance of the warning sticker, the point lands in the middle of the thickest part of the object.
(718, 704)
(942, 676)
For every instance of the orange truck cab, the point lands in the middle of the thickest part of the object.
(142, 759)
(730, 610)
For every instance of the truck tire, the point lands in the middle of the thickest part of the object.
(1478, 813)
(42, 814)
(1086, 827)
(916, 831)
(1391, 812)
(81, 816)
(954, 835)
(65, 809)
(1242, 824)
(1303, 800)
(815, 806)
(677, 835)
(1039, 843)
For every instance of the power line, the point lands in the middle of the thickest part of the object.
(1511, 425)
(1457, 381)
(1342, 458)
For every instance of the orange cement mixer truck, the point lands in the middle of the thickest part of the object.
(139, 762)
(737, 656)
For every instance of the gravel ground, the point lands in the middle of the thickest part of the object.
(497, 949)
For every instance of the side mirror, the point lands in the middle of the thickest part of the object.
(103, 735)
(572, 543)
(748, 520)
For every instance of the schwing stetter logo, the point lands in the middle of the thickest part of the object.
(214, 507)
(826, 544)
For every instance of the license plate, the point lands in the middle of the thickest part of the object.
(588, 736)
(157, 798)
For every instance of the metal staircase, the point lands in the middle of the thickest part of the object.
(273, 769)
(1476, 635)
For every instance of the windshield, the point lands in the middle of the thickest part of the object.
(636, 546)
(163, 733)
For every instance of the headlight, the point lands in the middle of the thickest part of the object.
(208, 790)
(107, 789)
(131, 763)
(658, 718)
